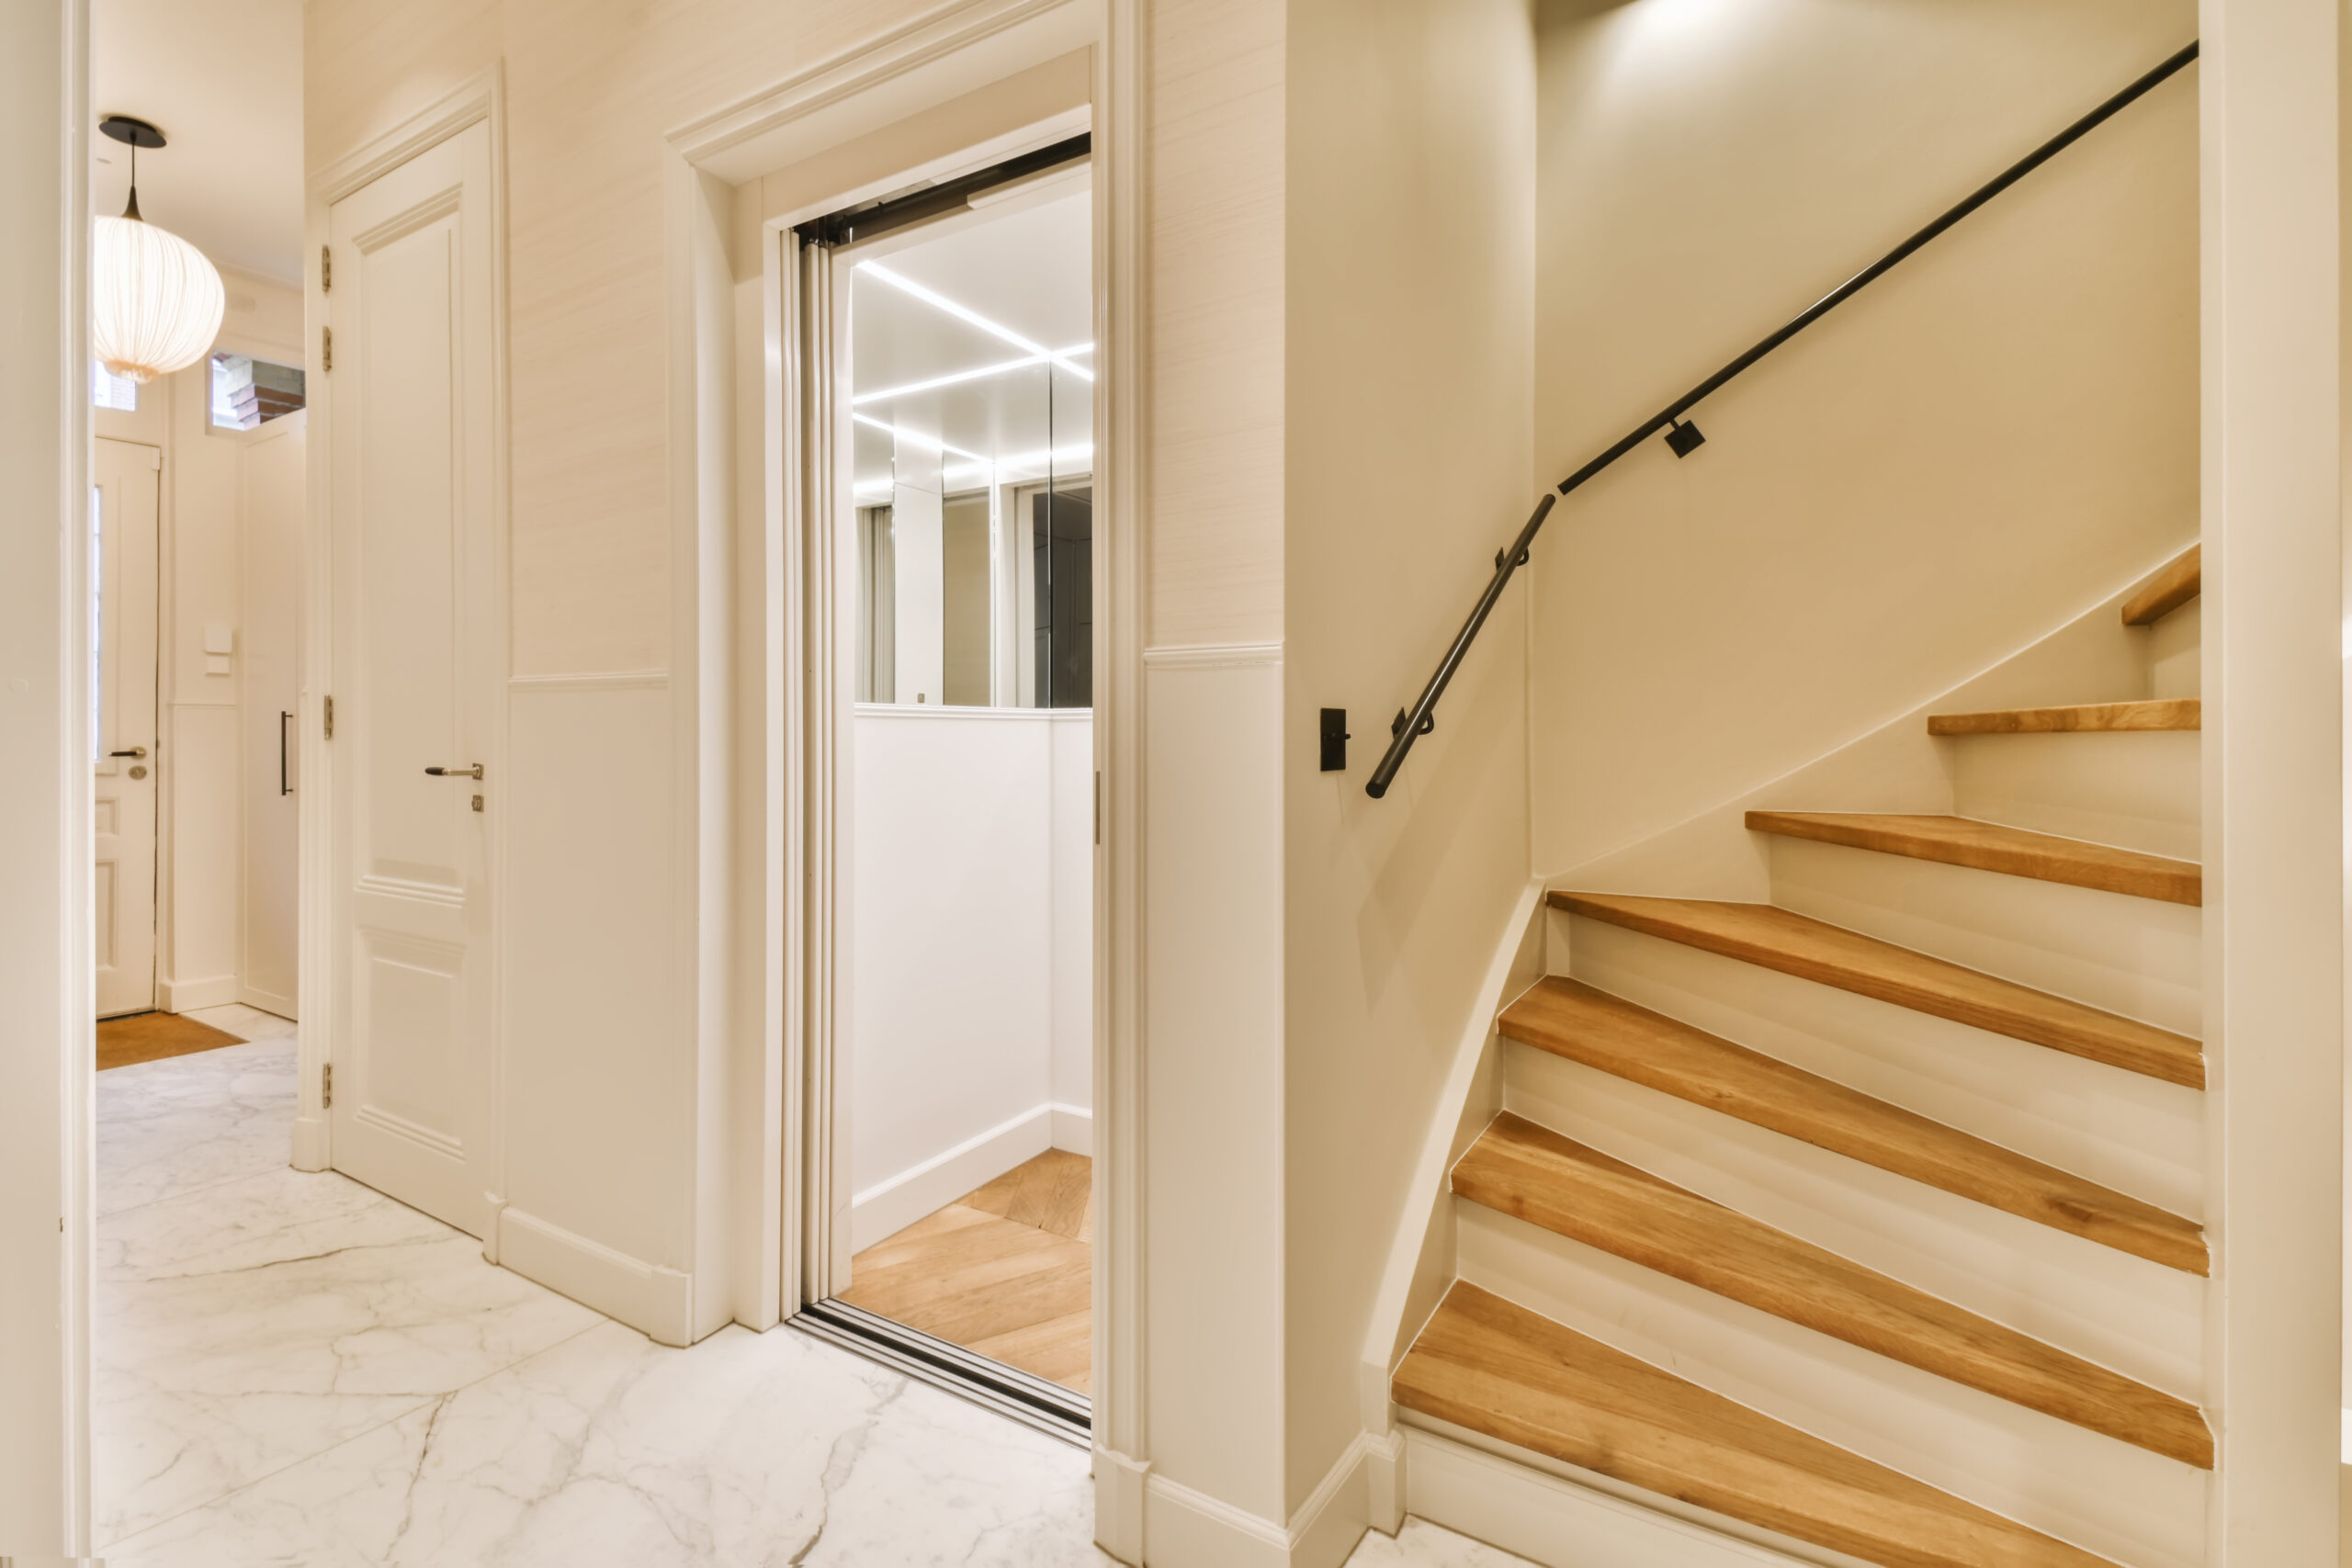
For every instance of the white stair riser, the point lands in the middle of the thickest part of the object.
(2141, 1318)
(2123, 1130)
(2137, 789)
(2098, 1491)
(2172, 652)
(2140, 957)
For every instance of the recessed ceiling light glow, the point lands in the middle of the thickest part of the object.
(1059, 356)
(963, 314)
(918, 438)
(1083, 453)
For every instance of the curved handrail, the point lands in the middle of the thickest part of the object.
(1420, 718)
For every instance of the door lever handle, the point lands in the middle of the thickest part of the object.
(472, 772)
(134, 752)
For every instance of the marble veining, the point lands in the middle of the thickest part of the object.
(291, 1369)
(188, 1122)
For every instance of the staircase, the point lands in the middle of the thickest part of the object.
(1863, 1224)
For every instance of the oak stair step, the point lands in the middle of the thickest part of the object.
(1572, 1020)
(1990, 846)
(1532, 1173)
(2179, 582)
(1499, 1370)
(2159, 713)
(1814, 949)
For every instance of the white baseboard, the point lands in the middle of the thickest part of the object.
(1118, 1505)
(1073, 1128)
(187, 995)
(267, 1001)
(887, 1207)
(1185, 1528)
(310, 1143)
(656, 1301)
(1560, 1524)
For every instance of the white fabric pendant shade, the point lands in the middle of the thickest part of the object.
(156, 303)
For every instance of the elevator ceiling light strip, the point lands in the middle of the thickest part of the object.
(912, 388)
(918, 438)
(963, 313)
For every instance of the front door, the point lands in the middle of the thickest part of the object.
(124, 490)
(418, 667)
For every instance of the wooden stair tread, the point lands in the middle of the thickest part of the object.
(1498, 1368)
(1831, 956)
(2161, 713)
(1990, 846)
(1532, 1173)
(1571, 1018)
(2179, 582)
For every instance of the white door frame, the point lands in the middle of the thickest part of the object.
(786, 820)
(483, 97)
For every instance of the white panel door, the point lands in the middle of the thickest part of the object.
(125, 486)
(418, 665)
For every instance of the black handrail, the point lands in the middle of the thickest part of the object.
(1420, 719)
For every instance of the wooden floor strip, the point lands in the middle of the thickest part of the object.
(2180, 581)
(1533, 1174)
(1499, 1370)
(1990, 846)
(1814, 949)
(1571, 1018)
(1006, 1270)
(2161, 713)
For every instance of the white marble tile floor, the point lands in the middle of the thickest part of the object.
(292, 1368)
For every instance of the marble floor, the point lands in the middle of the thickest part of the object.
(294, 1370)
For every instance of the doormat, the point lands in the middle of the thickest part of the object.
(150, 1036)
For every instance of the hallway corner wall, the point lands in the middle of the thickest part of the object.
(1409, 415)
(1979, 446)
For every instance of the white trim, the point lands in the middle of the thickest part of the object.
(479, 97)
(1120, 1484)
(187, 995)
(251, 995)
(655, 1301)
(1213, 656)
(895, 1202)
(1184, 1528)
(1073, 1128)
(1554, 1521)
(611, 681)
(790, 121)
(1386, 1332)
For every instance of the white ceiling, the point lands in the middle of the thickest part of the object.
(222, 80)
(1029, 271)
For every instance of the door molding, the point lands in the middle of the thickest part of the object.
(481, 98)
(787, 763)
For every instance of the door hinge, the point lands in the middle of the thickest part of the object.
(326, 269)
(327, 349)
(329, 710)
(326, 1087)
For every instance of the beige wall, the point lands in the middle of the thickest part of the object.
(592, 91)
(1989, 440)
(1407, 421)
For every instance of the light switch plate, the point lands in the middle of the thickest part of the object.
(220, 639)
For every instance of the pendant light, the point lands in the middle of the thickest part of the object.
(154, 301)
